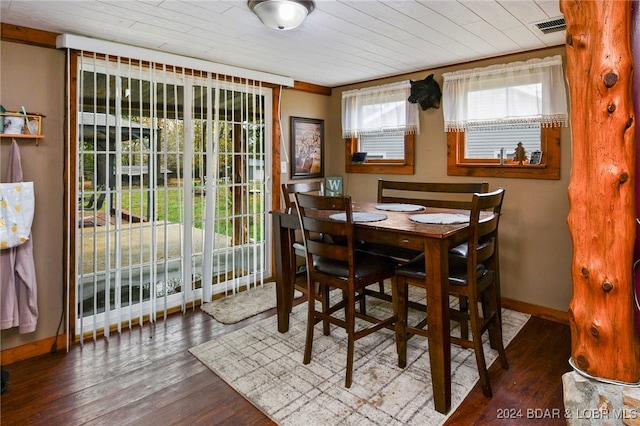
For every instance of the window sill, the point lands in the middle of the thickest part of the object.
(549, 170)
(397, 167)
(507, 165)
(380, 168)
(526, 171)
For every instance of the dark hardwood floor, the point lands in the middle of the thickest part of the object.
(146, 376)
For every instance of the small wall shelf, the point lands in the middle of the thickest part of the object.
(31, 128)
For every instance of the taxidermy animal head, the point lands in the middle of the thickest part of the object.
(426, 92)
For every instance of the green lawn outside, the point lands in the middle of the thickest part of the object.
(170, 207)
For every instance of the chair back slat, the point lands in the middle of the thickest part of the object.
(452, 195)
(331, 251)
(486, 226)
(324, 226)
(288, 189)
(334, 233)
(486, 250)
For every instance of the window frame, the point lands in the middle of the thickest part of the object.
(391, 166)
(458, 165)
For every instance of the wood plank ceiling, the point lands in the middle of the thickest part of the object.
(341, 42)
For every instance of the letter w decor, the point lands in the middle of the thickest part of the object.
(602, 189)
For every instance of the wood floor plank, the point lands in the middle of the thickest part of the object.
(120, 390)
(147, 376)
(190, 388)
(531, 387)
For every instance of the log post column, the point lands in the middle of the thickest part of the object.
(602, 188)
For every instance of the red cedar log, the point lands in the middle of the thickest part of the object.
(635, 47)
(602, 188)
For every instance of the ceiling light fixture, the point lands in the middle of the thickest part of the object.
(281, 14)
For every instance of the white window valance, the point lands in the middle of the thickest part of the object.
(507, 94)
(378, 110)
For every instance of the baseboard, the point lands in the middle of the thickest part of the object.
(536, 311)
(33, 349)
(41, 347)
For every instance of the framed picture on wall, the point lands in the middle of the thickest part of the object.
(307, 148)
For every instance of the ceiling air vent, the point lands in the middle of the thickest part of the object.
(551, 26)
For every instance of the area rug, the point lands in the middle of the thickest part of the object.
(244, 304)
(266, 368)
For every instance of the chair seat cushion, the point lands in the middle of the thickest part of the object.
(366, 264)
(414, 268)
(457, 269)
(463, 249)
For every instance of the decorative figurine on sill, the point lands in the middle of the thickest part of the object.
(521, 154)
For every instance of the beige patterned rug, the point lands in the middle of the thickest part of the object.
(266, 368)
(244, 304)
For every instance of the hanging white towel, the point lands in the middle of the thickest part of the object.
(18, 288)
(17, 206)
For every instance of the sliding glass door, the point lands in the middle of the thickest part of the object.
(171, 183)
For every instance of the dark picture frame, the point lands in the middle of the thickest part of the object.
(307, 148)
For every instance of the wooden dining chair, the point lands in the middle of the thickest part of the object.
(316, 188)
(300, 256)
(338, 265)
(451, 195)
(288, 191)
(471, 277)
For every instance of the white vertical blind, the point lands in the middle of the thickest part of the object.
(171, 183)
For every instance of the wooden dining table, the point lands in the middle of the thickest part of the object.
(396, 230)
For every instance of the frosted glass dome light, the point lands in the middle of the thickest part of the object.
(281, 14)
